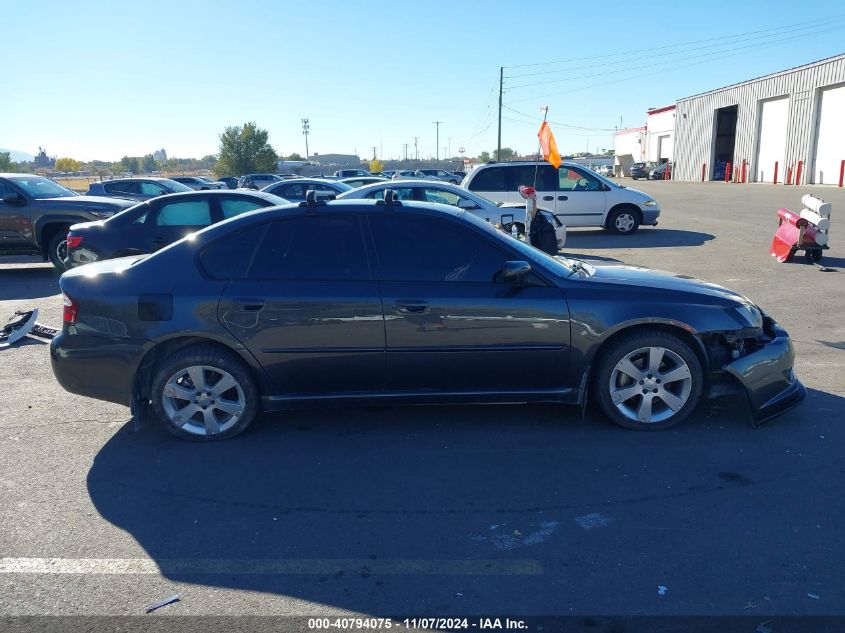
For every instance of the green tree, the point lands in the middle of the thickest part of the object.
(148, 164)
(6, 162)
(128, 163)
(294, 156)
(483, 157)
(507, 153)
(244, 150)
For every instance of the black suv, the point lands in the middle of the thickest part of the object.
(35, 214)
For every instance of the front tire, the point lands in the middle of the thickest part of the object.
(623, 221)
(648, 381)
(204, 393)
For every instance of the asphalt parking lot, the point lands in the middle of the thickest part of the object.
(487, 510)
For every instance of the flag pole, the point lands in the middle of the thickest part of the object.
(531, 203)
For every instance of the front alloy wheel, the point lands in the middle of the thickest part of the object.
(648, 381)
(623, 221)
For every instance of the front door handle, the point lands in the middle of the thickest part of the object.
(248, 305)
(411, 306)
(563, 197)
(548, 198)
(160, 240)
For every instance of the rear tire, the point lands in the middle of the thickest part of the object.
(57, 250)
(221, 407)
(648, 381)
(623, 221)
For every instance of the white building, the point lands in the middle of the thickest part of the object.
(629, 148)
(787, 126)
(660, 134)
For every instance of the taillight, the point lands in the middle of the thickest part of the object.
(73, 241)
(70, 311)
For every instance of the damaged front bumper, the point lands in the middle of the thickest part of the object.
(767, 375)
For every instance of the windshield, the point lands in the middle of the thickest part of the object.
(40, 188)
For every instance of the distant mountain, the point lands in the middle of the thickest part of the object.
(18, 157)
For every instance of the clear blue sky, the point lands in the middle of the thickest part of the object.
(103, 79)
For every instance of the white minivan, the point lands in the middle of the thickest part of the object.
(575, 194)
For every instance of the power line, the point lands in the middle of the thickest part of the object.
(679, 44)
(630, 68)
(661, 71)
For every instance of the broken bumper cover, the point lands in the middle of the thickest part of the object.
(767, 376)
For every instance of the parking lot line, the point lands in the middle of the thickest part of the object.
(493, 567)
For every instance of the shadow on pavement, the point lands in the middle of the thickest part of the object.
(644, 238)
(28, 283)
(488, 509)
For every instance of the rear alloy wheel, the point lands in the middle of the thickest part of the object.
(623, 221)
(649, 381)
(204, 393)
(57, 250)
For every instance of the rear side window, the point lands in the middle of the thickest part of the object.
(235, 206)
(543, 175)
(121, 187)
(448, 252)
(151, 189)
(403, 193)
(193, 213)
(229, 256)
(490, 179)
(312, 247)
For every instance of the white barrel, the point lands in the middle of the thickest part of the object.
(820, 238)
(814, 218)
(814, 204)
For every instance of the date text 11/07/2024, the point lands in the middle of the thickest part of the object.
(424, 623)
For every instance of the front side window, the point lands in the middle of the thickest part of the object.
(431, 194)
(576, 180)
(235, 206)
(121, 187)
(150, 189)
(193, 213)
(448, 252)
(312, 247)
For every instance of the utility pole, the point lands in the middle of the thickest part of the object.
(405, 150)
(449, 154)
(437, 142)
(306, 130)
(501, 84)
(416, 149)
(374, 152)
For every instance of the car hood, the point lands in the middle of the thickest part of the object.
(89, 201)
(639, 277)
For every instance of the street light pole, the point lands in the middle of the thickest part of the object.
(437, 145)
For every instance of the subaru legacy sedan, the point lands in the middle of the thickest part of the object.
(386, 301)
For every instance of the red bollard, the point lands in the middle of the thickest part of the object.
(704, 168)
(666, 172)
(798, 172)
(841, 172)
(775, 180)
(727, 172)
(744, 170)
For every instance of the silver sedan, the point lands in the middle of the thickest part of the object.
(507, 215)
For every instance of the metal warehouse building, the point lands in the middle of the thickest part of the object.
(777, 128)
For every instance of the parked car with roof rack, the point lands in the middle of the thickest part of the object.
(379, 301)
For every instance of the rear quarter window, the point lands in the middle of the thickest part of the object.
(230, 255)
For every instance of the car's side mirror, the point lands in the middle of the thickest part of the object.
(13, 198)
(465, 203)
(515, 272)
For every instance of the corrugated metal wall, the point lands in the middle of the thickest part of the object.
(696, 119)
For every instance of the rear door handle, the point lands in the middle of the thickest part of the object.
(248, 305)
(411, 306)
(548, 198)
(563, 197)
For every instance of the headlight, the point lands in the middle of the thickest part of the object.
(101, 213)
(650, 203)
(750, 315)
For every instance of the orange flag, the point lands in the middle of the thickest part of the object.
(548, 145)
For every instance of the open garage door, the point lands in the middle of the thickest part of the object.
(771, 146)
(830, 137)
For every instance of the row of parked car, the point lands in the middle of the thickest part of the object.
(36, 213)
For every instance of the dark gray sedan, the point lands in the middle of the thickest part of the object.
(356, 301)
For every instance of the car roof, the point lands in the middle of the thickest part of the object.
(220, 193)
